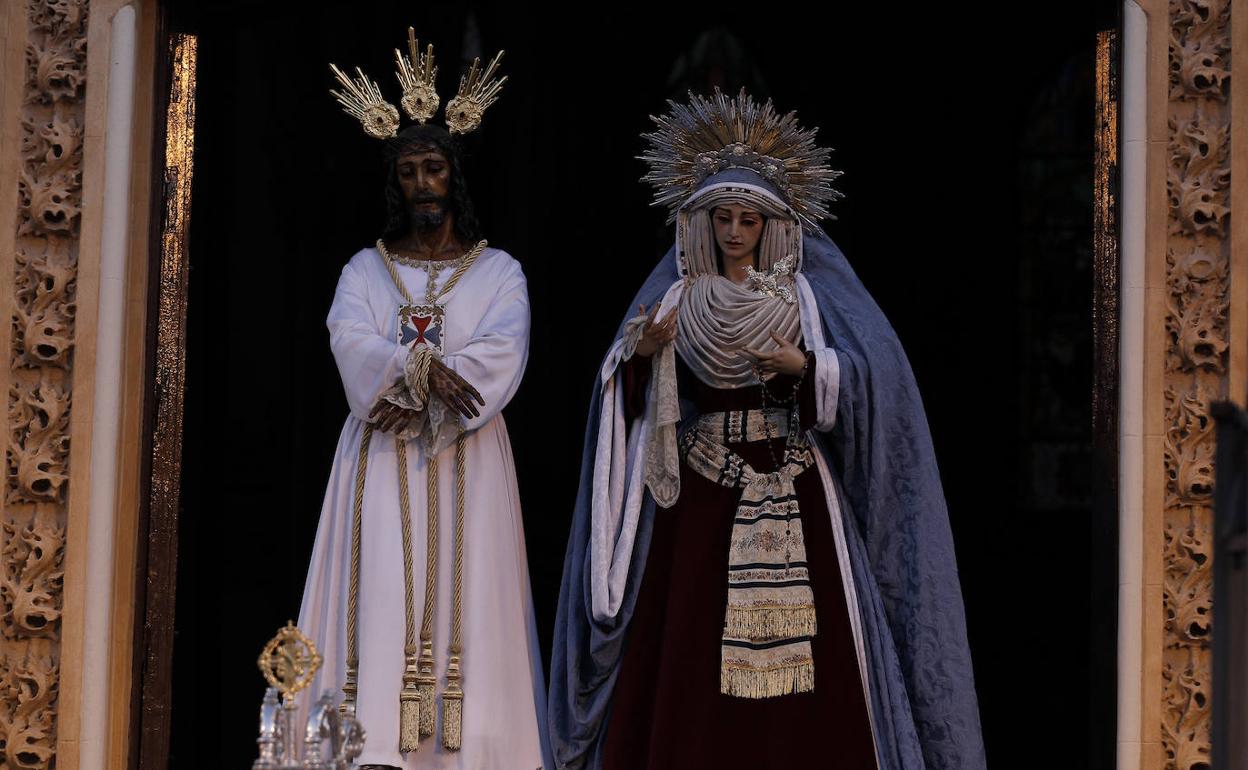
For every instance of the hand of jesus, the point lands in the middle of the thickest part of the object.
(788, 359)
(390, 417)
(454, 390)
(655, 335)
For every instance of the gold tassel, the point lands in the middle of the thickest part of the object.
(409, 721)
(425, 682)
(452, 720)
(409, 705)
(452, 708)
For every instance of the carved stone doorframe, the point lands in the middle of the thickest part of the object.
(1185, 345)
(75, 132)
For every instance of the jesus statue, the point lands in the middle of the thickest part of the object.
(418, 591)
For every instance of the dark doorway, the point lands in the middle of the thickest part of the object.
(968, 160)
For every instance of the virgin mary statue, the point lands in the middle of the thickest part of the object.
(760, 572)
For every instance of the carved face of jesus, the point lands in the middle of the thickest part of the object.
(737, 230)
(425, 176)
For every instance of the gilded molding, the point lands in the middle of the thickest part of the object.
(1196, 363)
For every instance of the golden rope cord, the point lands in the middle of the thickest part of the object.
(353, 592)
(431, 550)
(427, 680)
(420, 388)
(457, 595)
(405, 530)
(453, 695)
(430, 297)
(410, 701)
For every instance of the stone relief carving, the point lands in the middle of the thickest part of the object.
(43, 317)
(1196, 362)
(1199, 67)
(1185, 713)
(32, 578)
(1188, 447)
(1196, 316)
(1199, 178)
(39, 444)
(28, 688)
(51, 178)
(41, 359)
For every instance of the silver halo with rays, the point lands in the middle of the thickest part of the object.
(708, 135)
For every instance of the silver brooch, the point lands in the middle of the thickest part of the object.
(769, 282)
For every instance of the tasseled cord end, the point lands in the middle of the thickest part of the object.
(452, 708)
(350, 688)
(425, 683)
(409, 706)
(409, 721)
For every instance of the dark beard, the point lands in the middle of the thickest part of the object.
(423, 219)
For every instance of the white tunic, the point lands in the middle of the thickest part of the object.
(486, 342)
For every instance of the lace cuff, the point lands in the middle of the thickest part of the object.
(634, 328)
(663, 412)
(406, 392)
(399, 395)
(431, 413)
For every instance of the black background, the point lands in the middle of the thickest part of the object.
(966, 141)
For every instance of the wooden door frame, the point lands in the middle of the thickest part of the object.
(156, 563)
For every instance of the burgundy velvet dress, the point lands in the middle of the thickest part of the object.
(667, 711)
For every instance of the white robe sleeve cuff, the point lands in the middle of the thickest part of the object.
(827, 387)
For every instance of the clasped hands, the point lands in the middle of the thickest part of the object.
(786, 359)
(444, 383)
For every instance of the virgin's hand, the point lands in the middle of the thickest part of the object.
(390, 417)
(655, 335)
(787, 359)
(454, 390)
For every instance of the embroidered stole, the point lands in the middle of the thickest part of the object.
(770, 619)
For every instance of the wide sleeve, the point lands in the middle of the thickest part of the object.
(369, 360)
(493, 360)
(634, 452)
(822, 386)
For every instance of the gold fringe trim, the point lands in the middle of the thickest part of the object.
(758, 623)
(452, 720)
(752, 683)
